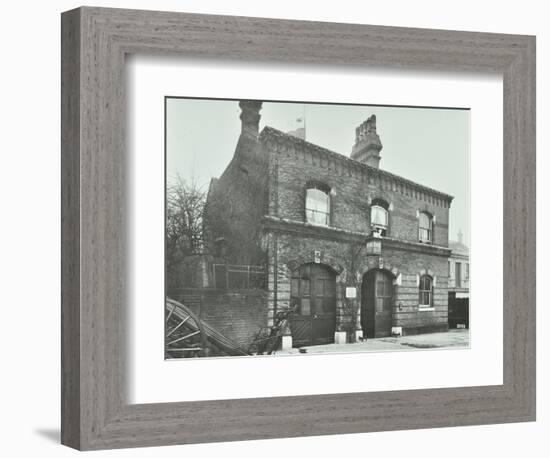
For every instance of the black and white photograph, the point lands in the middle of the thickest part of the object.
(305, 228)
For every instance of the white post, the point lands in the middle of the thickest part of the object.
(287, 343)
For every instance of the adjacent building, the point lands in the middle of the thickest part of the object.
(459, 284)
(354, 250)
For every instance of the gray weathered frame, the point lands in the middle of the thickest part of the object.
(95, 414)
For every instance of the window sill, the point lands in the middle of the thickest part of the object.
(425, 309)
(311, 223)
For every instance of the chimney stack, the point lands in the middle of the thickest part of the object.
(460, 236)
(367, 143)
(250, 117)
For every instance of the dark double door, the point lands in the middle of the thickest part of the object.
(376, 304)
(313, 294)
(459, 312)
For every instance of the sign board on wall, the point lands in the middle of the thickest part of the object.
(351, 292)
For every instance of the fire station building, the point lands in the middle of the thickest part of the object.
(354, 250)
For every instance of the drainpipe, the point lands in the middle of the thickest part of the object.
(275, 274)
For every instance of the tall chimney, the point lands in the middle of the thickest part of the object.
(367, 143)
(460, 236)
(250, 117)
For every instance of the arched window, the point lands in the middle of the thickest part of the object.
(379, 216)
(318, 205)
(425, 228)
(425, 291)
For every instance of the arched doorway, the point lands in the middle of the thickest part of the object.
(313, 295)
(376, 303)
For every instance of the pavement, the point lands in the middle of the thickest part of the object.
(454, 338)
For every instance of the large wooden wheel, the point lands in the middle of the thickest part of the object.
(185, 336)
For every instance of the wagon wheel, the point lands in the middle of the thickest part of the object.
(184, 333)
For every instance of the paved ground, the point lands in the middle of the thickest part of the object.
(455, 338)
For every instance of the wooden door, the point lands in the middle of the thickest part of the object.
(376, 304)
(367, 305)
(313, 294)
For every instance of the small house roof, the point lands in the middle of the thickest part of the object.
(459, 248)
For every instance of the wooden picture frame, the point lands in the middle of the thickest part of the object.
(95, 412)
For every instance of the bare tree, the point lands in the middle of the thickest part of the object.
(185, 207)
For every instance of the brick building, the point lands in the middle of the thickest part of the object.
(354, 250)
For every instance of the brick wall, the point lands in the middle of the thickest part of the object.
(236, 203)
(237, 314)
(406, 311)
(294, 164)
(287, 251)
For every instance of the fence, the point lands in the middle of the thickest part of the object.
(231, 276)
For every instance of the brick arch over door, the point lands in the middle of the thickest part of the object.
(328, 261)
(364, 268)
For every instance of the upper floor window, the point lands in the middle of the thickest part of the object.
(458, 274)
(425, 291)
(379, 216)
(425, 228)
(318, 205)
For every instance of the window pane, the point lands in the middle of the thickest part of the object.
(423, 298)
(317, 206)
(317, 200)
(330, 288)
(294, 291)
(424, 227)
(380, 288)
(305, 308)
(424, 221)
(304, 287)
(319, 287)
(425, 290)
(379, 304)
(424, 235)
(379, 216)
(317, 217)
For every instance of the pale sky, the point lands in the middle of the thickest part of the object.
(430, 146)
